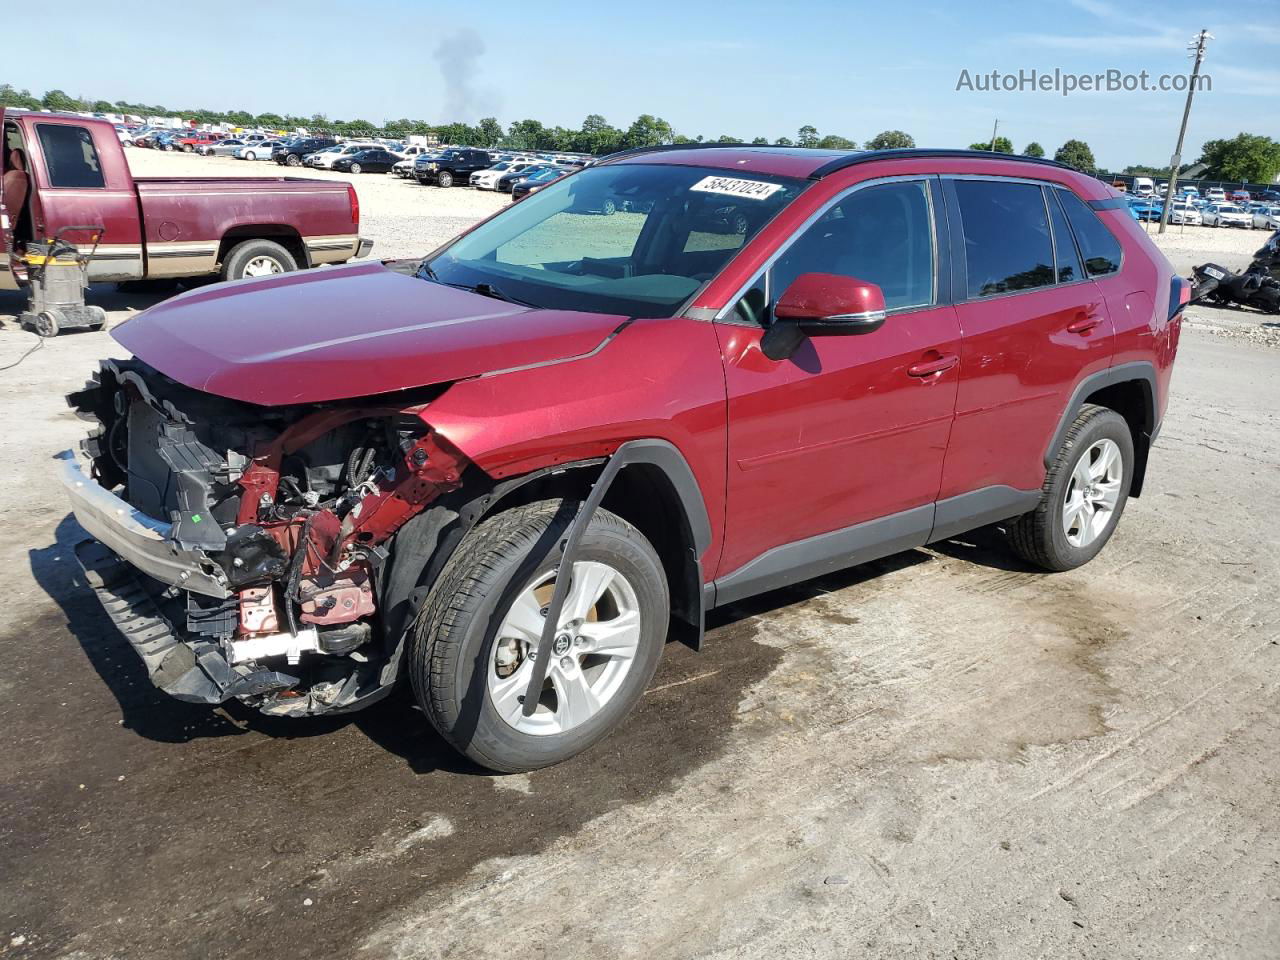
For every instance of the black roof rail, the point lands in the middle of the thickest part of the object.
(912, 153)
(849, 159)
(667, 147)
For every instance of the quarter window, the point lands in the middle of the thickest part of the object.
(1064, 246)
(1006, 236)
(1101, 250)
(881, 234)
(69, 156)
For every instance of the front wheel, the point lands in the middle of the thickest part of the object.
(293, 160)
(257, 258)
(473, 644)
(445, 179)
(355, 168)
(1084, 494)
(49, 322)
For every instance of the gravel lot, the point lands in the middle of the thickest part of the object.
(942, 754)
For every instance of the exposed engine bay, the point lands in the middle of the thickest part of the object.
(289, 514)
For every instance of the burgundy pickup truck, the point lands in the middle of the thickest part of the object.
(61, 171)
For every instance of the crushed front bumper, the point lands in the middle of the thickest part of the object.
(138, 539)
(195, 671)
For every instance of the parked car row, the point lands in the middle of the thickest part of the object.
(514, 173)
(1212, 210)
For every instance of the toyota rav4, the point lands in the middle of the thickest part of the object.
(511, 471)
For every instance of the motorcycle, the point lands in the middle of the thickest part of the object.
(1257, 287)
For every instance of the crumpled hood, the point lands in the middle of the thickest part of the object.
(354, 331)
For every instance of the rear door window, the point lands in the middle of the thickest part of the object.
(1101, 250)
(1007, 242)
(69, 156)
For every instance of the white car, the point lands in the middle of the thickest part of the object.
(409, 151)
(1216, 195)
(1185, 213)
(488, 179)
(1226, 215)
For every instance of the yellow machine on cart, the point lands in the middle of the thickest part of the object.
(57, 272)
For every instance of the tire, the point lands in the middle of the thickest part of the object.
(454, 645)
(444, 178)
(251, 155)
(48, 323)
(608, 208)
(248, 258)
(355, 168)
(1042, 537)
(293, 160)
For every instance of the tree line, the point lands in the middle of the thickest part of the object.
(1248, 158)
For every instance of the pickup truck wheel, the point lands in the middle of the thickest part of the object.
(445, 178)
(257, 258)
(293, 160)
(1084, 494)
(472, 646)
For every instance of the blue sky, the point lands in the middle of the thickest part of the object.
(745, 69)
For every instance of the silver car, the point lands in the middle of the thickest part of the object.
(1266, 216)
(223, 148)
(256, 151)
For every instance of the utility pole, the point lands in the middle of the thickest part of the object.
(992, 148)
(1197, 46)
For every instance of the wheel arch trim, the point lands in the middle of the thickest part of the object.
(1142, 372)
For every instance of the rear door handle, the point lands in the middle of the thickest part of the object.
(1085, 320)
(935, 364)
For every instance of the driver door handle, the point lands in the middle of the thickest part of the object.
(938, 363)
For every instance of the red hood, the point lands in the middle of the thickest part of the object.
(345, 332)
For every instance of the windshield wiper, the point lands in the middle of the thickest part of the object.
(489, 290)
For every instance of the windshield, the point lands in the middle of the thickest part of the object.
(632, 239)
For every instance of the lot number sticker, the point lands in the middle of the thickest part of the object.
(745, 189)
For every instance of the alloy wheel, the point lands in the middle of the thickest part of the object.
(262, 267)
(597, 640)
(1092, 493)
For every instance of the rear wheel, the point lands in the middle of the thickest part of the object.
(445, 179)
(473, 645)
(257, 258)
(1084, 494)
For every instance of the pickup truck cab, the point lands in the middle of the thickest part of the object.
(514, 469)
(62, 171)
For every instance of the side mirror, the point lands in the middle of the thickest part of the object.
(822, 304)
(827, 303)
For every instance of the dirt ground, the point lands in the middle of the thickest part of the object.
(942, 754)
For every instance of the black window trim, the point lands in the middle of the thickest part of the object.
(938, 220)
(44, 156)
(960, 279)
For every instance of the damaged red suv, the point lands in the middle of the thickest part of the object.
(674, 379)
